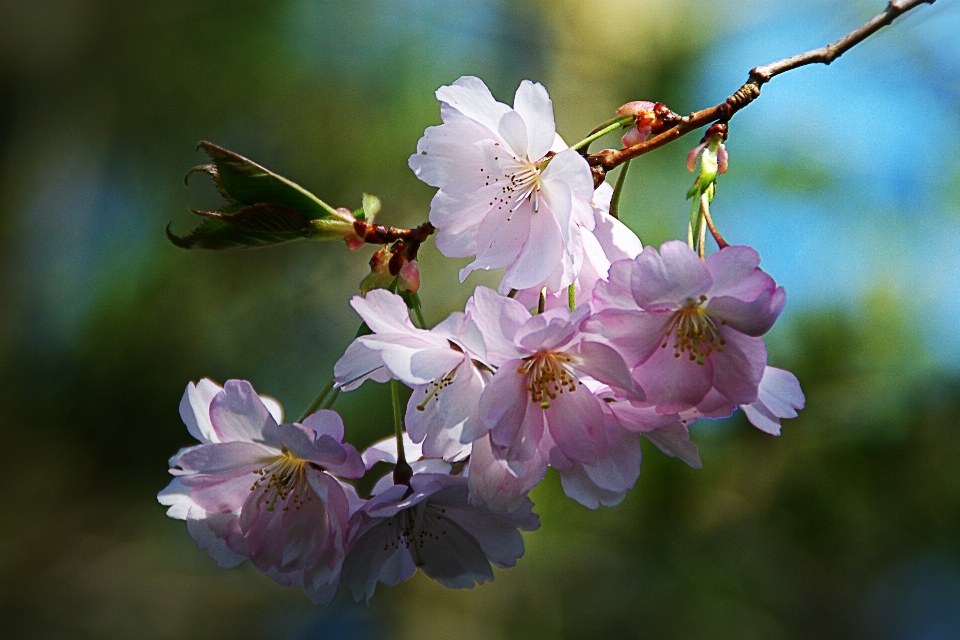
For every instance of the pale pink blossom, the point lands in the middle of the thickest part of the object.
(542, 362)
(440, 364)
(503, 197)
(689, 327)
(265, 490)
(430, 523)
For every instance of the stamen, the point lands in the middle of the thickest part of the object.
(696, 332)
(442, 383)
(282, 478)
(522, 184)
(547, 377)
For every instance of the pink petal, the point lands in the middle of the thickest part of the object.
(606, 365)
(541, 252)
(739, 367)
(513, 131)
(447, 158)
(384, 312)
(500, 238)
(636, 335)
(237, 414)
(670, 278)
(674, 441)
(674, 384)
(498, 318)
(576, 424)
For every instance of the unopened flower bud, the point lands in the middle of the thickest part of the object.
(393, 263)
(644, 117)
(712, 155)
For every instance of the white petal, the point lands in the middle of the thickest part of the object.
(471, 97)
(533, 104)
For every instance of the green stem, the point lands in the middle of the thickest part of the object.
(572, 296)
(402, 472)
(542, 304)
(617, 190)
(333, 398)
(607, 127)
(692, 230)
(419, 314)
(513, 293)
(316, 403)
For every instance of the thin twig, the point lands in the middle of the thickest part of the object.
(750, 91)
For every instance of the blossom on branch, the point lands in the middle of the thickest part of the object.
(440, 364)
(430, 523)
(265, 491)
(542, 362)
(510, 192)
(689, 327)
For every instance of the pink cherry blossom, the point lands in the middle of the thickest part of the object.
(429, 523)
(440, 365)
(689, 327)
(542, 362)
(265, 490)
(504, 197)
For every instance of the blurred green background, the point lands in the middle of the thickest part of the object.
(845, 178)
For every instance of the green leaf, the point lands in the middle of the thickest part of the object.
(245, 182)
(262, 208)
(214, 233)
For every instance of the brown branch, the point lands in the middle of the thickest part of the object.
(379, 234)
(750, 91)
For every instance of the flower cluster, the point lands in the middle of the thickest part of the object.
(276, 494)
(591, 341)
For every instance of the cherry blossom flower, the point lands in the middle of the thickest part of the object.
(258, 489)
(439, 364)
(503, 196)
(430, 523)
(688, 327)
(542, 361)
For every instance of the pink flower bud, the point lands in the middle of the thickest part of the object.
(644, 116)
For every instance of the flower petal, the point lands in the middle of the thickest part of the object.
(238, 414)
(535, 107)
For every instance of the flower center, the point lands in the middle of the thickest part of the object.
(522, 180)
(547, 376)
(412, 527)
(283, 477)
(433, 389)
(694, 331)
